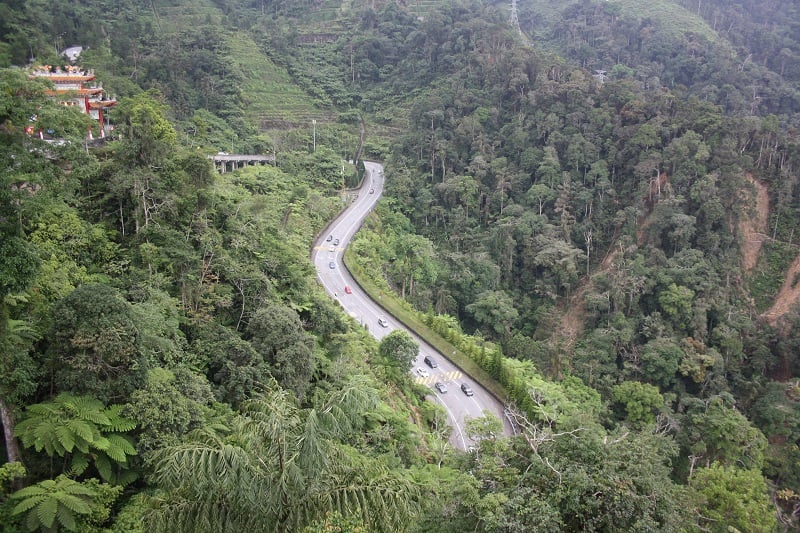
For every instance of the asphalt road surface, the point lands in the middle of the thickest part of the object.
(333, 275)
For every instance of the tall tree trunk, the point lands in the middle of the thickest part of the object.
(12, 447)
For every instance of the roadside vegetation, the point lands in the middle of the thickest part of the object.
(563, 217)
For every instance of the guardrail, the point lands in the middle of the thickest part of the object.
(411, 319)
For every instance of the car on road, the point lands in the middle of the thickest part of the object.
(382, 322)
(441, 387)
(372, 191)
(348, 290)
(421, 372)
(466, 389)
(331, 265)
(430, 361)
(330, 238)
(336, 242)
(331, 248)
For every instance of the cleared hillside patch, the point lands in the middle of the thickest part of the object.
(788, 295)
(271, 96)
(753, 224)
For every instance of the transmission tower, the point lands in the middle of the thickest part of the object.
(513, 20)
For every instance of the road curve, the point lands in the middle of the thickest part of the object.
(334, 277)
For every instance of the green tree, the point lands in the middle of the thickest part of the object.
(660, 360)
(484, 427)
(732, 499)
(161, 340)
(399, 348)
(148, 137)
(8, 473)
(277, 334)
(608, 482)
(539, 194)
(412, 262)
(641, 400)
(95, 344)
(676, 302)
(495, 310)
(170, 405)
(713, 430)
(31, 186)
(140, 180)
(72, 250)
(777, 414)
(280, 469)
(18, 263)
(64, 502)
(234, 367)
(18, 372)
(83, 430)
(61, 499)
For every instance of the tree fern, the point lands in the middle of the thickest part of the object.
(46, 512)
(120, 447)
(19, 332)
(66, 518)
(53, 499)
(103, 466)
(83, 428)
(78, 465)
(65, 436)
(280, 469)
(117, 422)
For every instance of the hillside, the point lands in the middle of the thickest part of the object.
(601, 219)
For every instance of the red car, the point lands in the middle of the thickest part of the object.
(348, 290)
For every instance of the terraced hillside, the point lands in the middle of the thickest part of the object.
(272, 98)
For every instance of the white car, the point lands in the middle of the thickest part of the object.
(331, 248)
(382, 322)
(441, 387)
(421, 372)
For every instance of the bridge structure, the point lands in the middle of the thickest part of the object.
(230, 162)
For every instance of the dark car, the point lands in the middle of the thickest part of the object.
(466, 389)
(331, 265)
(330, 238)
(430, 361)
(441, 387)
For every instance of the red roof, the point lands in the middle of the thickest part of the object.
(98, 104)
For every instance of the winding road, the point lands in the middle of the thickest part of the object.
(327, 259)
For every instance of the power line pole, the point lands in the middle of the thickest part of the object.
(513, 19)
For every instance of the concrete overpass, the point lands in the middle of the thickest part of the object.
(225, 162)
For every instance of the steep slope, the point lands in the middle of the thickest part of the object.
(271, 98)
(788, 296)
(753, 225)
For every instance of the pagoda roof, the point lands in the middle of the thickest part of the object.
(65, 77)
(78, 92)
(98, 104)
(70, 73)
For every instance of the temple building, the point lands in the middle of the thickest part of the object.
(74, 86)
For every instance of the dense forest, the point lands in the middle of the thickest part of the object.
(597, 205)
